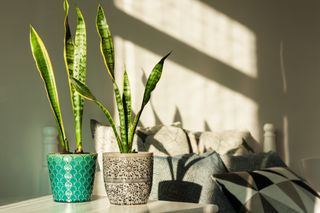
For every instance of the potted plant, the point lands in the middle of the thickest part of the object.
(71, 174)
(127, 174)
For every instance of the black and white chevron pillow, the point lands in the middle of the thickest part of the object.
(275, 189)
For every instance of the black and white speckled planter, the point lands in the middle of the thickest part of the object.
(128, 177)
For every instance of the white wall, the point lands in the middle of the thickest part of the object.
(225, 72)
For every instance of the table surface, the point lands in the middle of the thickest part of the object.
(101, 204)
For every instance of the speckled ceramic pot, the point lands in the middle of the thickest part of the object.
(128, 177)
(71, 176)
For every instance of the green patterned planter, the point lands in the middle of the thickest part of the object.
(71, 176)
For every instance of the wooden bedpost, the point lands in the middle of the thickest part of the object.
(269, 142)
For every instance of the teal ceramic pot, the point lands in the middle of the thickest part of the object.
(71, 176)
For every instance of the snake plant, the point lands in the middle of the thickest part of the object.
(75, 61)
(128, 125)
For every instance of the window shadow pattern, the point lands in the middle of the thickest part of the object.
(285, 41)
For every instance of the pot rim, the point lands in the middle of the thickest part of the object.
(73, 154)
(124, 155)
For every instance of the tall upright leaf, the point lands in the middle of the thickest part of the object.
(107, 50)
(68, 54)
(80, 50)
(68, 51)
(122, 117)
(152, 81)
(127, 105)
(106, 44)
(75, 54)
(44, 67)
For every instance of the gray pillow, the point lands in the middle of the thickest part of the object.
(250, 162)
(188, 178)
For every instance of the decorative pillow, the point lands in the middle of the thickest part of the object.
(269, 190)
(252, 161)
(235, 142)
(161, 140)
(173, 140)
(187, 178)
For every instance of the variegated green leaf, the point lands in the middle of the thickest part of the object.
(122, 117)
(82, 89)
(68, 42)
(69, 62)
(152, 81)
(75, 60)
(44, 66)
(80, 50)
(85, 92)
(79, 72)
(126, 99)
(106, 44)
(107, 50)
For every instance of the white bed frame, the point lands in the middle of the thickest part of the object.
(269, 138)
(50, 145)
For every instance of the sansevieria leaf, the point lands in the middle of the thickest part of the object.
(107, 50)
(127, 105)
(79, 73)
(80, 49)
(44, 66)
(152, 81)
(106, 44)
(68, 51)
(85, 92)
(122, 117)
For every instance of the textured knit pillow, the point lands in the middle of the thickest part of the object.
(161, 140)
(187, 178)
(269, 190)
(252, 161)
(235, 142)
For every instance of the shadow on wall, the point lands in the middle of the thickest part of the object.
(249, 63)
(213, 93)
(240, 64)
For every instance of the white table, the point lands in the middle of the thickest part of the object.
(100, 204)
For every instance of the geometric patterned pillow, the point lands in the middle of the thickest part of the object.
(275, 189)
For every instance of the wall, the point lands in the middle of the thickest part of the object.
(234, 65)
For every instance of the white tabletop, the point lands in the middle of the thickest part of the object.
(101, 204)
